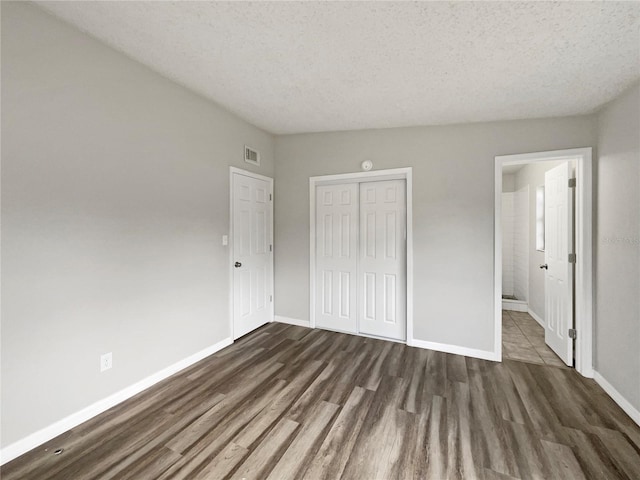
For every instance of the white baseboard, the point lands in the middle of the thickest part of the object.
(443, 347)
(514, 305)
(536, 317)
(617, 397)
(292, 321)
(41, 436)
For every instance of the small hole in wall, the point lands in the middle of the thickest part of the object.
(58, 451)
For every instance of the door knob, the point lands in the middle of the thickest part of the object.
(545, 266)
(237, 264)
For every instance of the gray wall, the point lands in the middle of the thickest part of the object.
(533, 175)
(114, 200)
(453, 168)
(617, 284)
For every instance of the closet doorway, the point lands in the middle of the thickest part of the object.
(360, 255)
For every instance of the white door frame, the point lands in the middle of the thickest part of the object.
(583, 298)
(269, 180)
(406, 174)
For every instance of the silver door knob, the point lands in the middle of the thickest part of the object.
(545, 266)
(238, 265)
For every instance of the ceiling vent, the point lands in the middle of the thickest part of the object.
(251, 155)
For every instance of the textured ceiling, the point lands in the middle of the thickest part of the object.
(314, 66)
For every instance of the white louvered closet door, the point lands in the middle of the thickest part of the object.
(382, 259)
(336, 257)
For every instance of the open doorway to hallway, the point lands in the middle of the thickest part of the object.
(564, 265)
(535, 233)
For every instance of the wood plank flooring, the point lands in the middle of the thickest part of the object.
(287, 402)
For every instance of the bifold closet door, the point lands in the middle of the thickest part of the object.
(382, 259)
(336, 257)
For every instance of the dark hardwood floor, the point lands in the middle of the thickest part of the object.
(288, 402)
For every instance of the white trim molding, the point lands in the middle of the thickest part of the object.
(35, 439)
(404, 173)
(446, 348)
(617, 397)
(583, 248)
(292, 321)
(514, 305)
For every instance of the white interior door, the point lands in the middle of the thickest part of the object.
(382, 259)
(336, 257)
(252, 253)
(559, 271)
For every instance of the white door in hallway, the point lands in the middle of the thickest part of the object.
(336, 257)
(382, 259)
(558, 282)
(252, 215)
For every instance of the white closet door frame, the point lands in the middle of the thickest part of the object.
(359, 177)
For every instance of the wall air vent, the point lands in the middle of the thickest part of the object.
(251, 155)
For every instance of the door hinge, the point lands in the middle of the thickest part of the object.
(572, 183)
(572, 258)
(270, 197)
(573, 334)
(271, 248)
(271, 298)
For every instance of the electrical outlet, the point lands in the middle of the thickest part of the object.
(106, 361)
(225, 240)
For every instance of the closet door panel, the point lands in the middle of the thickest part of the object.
(336, 257)
(382, 259)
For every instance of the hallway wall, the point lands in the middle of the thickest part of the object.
(531, 176)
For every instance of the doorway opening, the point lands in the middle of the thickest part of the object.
(525, 296)
(543, 258)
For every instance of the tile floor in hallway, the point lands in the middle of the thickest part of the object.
(523, 340)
